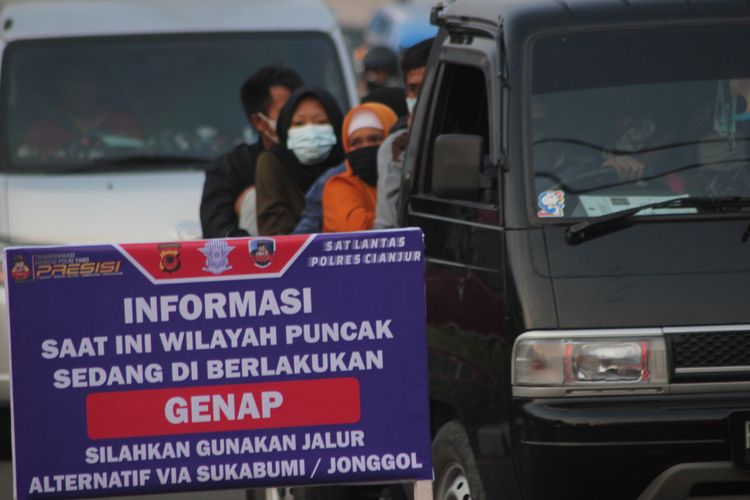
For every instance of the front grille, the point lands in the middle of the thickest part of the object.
(710, 354)
(710, 349)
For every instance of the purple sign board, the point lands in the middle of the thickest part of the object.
(245, 362)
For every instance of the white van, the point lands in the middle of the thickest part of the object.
(169, 72)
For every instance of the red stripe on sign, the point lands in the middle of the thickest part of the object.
(202, 260)
(222, 408)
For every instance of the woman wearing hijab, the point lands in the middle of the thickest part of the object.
(349, 197)
(309, 127)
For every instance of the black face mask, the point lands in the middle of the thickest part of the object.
(364, 163)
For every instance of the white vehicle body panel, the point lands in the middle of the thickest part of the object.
(129, 207)
(55, 18)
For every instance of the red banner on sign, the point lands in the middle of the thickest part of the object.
(190, 261)
(187, 410)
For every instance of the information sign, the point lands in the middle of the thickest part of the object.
(244, 362)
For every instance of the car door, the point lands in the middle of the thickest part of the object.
(465, 279)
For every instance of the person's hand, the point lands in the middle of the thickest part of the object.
(627, 168)
(399, 146)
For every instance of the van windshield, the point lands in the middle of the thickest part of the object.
(621, 119)
(74, 104)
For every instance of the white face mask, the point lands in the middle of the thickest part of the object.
(272, 125)
(311, 143)
(411, 103)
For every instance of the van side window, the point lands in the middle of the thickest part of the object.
(461, 109)
(462, 103)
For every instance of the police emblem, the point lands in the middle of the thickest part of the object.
(217, 256)
(262, 251)
(169, 253)
(20, 271)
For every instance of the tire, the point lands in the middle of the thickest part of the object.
(456, 473)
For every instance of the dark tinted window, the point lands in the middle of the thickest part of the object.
(69, 103)
(461, 106)
(462, 102)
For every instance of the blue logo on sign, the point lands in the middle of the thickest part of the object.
(217, 256)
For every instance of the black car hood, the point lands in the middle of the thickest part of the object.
(667, 273)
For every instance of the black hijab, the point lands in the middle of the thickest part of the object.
(305, 175)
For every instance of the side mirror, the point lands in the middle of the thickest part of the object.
(456, 166)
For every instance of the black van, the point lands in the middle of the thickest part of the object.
(581, 172)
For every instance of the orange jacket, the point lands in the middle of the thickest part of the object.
(348, 201)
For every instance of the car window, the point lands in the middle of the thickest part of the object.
(461, 106)
(75, 102)
(625, 118)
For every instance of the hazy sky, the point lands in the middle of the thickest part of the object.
(355, 12)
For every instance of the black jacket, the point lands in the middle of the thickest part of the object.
(226, 178)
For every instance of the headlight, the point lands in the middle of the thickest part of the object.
(583, 359)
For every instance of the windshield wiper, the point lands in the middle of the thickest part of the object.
(577, 233)
(141, 161)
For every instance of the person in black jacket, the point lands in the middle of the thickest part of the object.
(232, 176)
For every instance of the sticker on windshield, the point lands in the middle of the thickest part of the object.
(551, 204)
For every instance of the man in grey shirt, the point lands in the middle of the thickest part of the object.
(391, 152)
